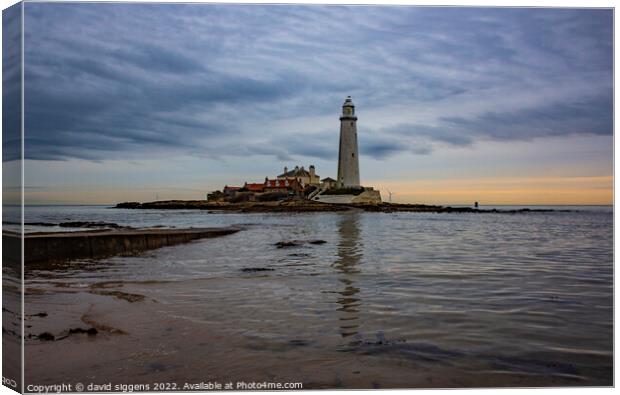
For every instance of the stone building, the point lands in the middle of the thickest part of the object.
(328, 183)
(290, 186)
(305, 177)
(230, 191)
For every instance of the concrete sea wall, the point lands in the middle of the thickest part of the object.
(369, 196)
(47, 247)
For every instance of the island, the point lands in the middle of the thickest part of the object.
(296, 205)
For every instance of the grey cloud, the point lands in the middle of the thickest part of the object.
(592, 116)
(124, 80)
(447, 133)
(588, 116)
(11, 83)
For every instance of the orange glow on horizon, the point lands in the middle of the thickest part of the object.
(596, 190)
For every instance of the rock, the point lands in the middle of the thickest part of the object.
(297, 243)
(129, 205)
(46, 336)
(285, 244)
(304, 205)
(256, 269)
(89, 331)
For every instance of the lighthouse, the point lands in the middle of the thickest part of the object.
(348, 158)
(347, 188)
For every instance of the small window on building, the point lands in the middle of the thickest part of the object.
(351, 123)
(353, 155)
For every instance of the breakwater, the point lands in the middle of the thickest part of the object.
(62, 246)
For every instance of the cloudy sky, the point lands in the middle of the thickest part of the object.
(138, 101)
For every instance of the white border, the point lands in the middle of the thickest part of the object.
(478, 3)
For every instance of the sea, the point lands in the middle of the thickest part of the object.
(389, 300)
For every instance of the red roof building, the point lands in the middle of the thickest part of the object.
(254, 187)
(286, 185)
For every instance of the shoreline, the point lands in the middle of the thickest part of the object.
(305, 206)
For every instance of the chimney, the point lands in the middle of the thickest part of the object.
(312, 174)
(285, 170)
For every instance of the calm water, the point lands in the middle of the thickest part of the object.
(512, 296)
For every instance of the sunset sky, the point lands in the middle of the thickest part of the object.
(455, 105)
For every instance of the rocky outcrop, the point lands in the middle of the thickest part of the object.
(302, 206)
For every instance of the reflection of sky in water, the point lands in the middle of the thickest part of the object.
(508, 292)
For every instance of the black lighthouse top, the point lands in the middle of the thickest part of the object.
(348, 110)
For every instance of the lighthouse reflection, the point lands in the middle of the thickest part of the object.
(349, 255)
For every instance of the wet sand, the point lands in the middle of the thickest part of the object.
(143, 342)
(11, 327)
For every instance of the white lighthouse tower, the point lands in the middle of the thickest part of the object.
(348, 167)
(348, 158)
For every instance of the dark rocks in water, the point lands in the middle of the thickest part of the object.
(89, 331)
(304, 205)
(43, 314)
(46, 336)
(256, 269)
(297, 243)
(285, 244)
(129, 205)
